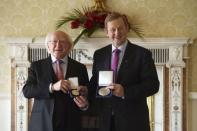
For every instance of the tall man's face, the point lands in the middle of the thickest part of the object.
(117, 31)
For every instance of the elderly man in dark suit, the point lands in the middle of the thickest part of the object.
(55, 108)
(136, 79)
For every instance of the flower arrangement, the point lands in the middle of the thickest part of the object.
(89, 20)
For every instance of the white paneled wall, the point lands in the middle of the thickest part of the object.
(5, 112)
(159, 102)
(193, 111)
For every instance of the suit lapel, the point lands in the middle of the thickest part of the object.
(107, 58)
(69, 70)
(126, 58)
(49, 70)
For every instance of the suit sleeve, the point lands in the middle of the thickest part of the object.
(94, 78)
(34, 87)
(84, 79)
(148, 83)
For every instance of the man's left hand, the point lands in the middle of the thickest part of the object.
(117, 89)
(81, 102)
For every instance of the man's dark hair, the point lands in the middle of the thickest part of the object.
(115, 15)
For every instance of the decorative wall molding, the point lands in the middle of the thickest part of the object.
(193, 95)
(4, 96)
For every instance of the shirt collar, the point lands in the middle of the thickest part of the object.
(65, 59)
(121, 47)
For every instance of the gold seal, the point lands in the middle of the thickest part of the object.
(104, 91)
(75, 92)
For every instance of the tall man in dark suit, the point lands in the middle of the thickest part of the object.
(136, 79)
(54, 108)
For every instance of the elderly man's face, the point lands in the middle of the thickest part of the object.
(58, 44)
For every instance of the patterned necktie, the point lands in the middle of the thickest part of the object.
(58, 70)
(114, 62)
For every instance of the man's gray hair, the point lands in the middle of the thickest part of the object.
(48, 36)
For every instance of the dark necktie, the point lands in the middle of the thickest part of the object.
(58, 70)
(114, 62)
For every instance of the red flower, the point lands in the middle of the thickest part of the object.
(95, 18)
(89, 20)
(88, 24)
(75, 24)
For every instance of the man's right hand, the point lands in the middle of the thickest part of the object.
(63, 85)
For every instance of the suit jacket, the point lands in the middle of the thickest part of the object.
(137, 74)
(56, 108)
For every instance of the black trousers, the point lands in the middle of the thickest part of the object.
(112, 124)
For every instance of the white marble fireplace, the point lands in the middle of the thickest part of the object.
(168, 108)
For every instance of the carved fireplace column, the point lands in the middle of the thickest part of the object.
(19, 71)
(175, 65)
